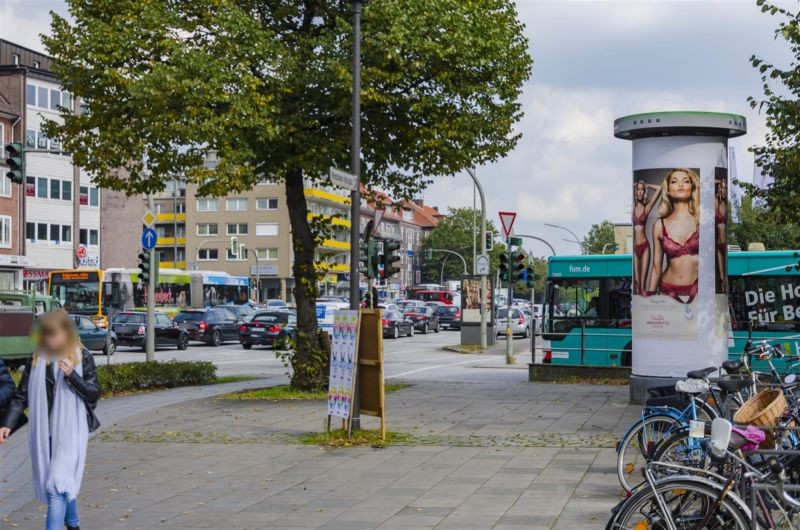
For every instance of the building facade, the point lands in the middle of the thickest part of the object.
(12, 237)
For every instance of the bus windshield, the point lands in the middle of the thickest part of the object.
(78, 291)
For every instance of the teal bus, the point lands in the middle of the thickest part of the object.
(763, 295)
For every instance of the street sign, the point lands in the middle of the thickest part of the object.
(482, 265)
(149, 218)
(343, 178)
(410, 253)
(81, 252)
(379, 213)
(507, 220)
(149, 238)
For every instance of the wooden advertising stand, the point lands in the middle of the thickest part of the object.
(356, 355)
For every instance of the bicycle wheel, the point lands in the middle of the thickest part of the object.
(688, 501)
(639, 444)
(679, 448)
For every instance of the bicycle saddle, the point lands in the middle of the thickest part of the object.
(732, 367)
(731, 386)
(701, 374)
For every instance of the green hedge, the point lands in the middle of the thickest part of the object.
(128, 377)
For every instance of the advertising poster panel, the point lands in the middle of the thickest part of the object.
(344, 345)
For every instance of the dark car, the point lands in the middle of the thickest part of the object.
(131, 328)
(94, 337)
(212, 326)
(395, 324)
(424, 318)
(242, 312)
(449, 316)
(267, 328)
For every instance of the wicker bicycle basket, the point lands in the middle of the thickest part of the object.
(763, 410)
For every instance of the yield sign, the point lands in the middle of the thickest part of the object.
(507, 220)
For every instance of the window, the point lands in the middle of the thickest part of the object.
(84, 195)
(37, 64)
(266, 229)
(55, 189)
(180, 231)
(267, 204)
(208, 254)
(30, 94)
(55, 99)
(206, 205)
(94, 237)
(83, 236)
(163, 320)
(41, 187)
(66, 100)
(30, 231)
(5, 184)
(41, 97)
(236, 205)
(30, 138)
(66, 234)
(55, 233)
(94, 196)
(41, 232)
(237, 229)
(15, 59)
(42, 142)
(5, 231)
(207, 229)
(268, 254)
(66, 190)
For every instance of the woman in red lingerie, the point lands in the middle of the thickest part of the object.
(642, 205)
(721, 222)
(675, 235)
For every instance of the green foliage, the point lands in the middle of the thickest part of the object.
(130, 377)
(454, 233)
(276, 393)
(755, 222)
(372, 438)
(779, 156)
(599, 236)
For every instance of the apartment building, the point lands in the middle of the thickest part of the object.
(12, 237)
(333, 255)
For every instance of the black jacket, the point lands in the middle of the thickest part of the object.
(85, 386)
(6, 386)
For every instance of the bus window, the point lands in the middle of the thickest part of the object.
(769, 302)
(619, 301)
(78, 292)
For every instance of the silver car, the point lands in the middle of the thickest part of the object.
(520, 322)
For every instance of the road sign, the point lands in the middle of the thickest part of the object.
(507, 220)
(149, 218)
(81, 252)
(410, 253)
(482, 265)
(379, 213)
(149, 238)
(343, 178)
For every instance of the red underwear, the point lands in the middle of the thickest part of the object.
(676, 291)
(640, 248)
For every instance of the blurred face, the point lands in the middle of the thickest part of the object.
(640, 192)
(723, 188)
(55, 340)
(680, 186)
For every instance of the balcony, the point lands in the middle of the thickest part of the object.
(172, 265)
(316, 193)
(338, 245)
(168, 241)
(335, 221)
(170, 217)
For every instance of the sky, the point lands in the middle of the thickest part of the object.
(594, 61)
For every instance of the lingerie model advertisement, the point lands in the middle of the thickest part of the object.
(666, 252)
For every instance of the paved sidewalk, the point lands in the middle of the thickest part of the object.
(480, 455)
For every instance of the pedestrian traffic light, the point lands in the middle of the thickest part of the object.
(503, 268)
(519, 267)
(15, 162)
(489, 241)
(144, 266)
(529, 277)
(389, 258)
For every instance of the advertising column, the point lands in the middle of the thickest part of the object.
(679, 210)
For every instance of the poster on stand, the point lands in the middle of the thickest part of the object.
(344, 345)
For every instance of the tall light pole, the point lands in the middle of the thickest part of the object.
(472, 174)
(574, 235)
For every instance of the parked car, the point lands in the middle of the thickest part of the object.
(130, 328)
(424, 318)
(94, 337)
(395, 324)
(520, 322)
(388, 307)
(267, 328)
(275, 303)
(405, 304)
(212, 326)
(242, 312)
(449, 316)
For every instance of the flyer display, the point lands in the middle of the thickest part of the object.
(344, 345)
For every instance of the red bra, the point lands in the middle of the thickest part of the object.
(719, 218)
(640, 220)
(673, 249)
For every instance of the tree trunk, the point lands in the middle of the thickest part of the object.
(310, 360)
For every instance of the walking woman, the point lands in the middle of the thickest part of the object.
(675, 235)
(642, 206)
(59, 388)
(6, 387)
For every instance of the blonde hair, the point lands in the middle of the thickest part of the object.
(636, 185)
(59, 318)
(666, 207)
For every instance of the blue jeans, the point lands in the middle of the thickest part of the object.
(60, 511)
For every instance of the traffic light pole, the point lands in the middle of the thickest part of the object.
(150, 335)
(509, 330)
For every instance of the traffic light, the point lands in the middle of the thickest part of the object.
(519, 267)
(15, 162)
(489, 241)
(529, 277)
(366, 265)
(144, 266)
(503, 268)
(389, 257)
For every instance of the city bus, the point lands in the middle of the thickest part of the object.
(604, 339)
(93, 292)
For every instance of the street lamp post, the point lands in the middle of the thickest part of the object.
(574, 235)
(474, 177)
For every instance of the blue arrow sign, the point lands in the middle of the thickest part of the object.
(149, 238)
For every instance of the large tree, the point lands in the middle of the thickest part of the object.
(267, 85)
(756, 223)
(779, 156)
(600, 239)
